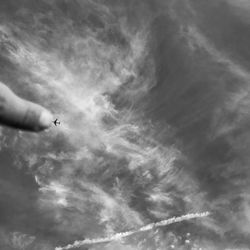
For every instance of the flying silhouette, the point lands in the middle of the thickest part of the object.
(56, 122)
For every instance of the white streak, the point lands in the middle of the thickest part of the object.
(119, 236)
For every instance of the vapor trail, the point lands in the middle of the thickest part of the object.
(119, 236)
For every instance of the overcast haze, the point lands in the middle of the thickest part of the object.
(153, 99)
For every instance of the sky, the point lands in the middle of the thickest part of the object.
(153, 99)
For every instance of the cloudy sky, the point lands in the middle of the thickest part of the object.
(153, 99)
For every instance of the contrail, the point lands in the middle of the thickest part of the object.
(119, 236)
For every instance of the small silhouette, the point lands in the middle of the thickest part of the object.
(56, 122)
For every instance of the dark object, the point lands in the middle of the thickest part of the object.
(56, 122)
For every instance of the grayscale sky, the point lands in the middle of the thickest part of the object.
(153, 99)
